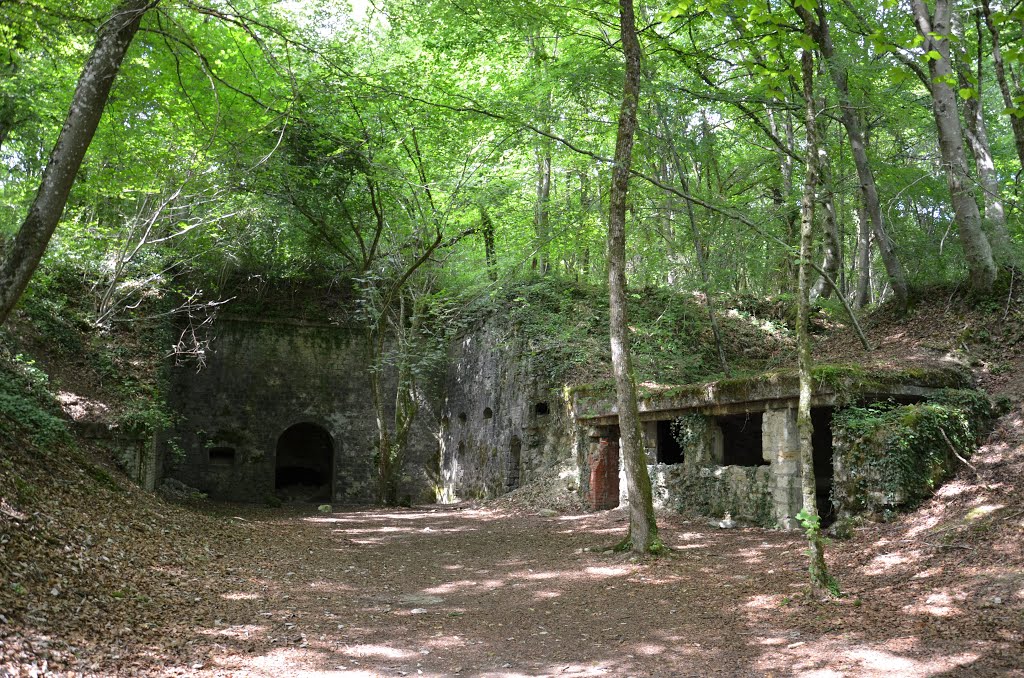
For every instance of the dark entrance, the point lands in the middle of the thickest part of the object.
(305, 464)
(821, 418)
(741, 439)
(515, 452)
(669, 451)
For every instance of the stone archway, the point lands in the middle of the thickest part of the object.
(304, 465)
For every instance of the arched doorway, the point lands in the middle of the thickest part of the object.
(304, 466)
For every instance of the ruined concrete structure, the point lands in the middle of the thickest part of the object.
(283, 408)
(733, 447)
(502, 424)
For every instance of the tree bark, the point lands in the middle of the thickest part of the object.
(977, 250)
(1016, 123)
(643, 531)
(976, 131)
(542, 209)
(805, 428)
(87, 104)
(490, 250)
(832, 263)
(822, 35)
(863, 297)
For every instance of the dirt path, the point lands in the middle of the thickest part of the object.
(440, 592)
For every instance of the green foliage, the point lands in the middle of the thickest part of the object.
(895, 455)
(689, 431)
(27, 408)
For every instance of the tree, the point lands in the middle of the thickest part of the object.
(935, 30)
(22, 256)
(818, 27)
(643, 529)
(809, 514)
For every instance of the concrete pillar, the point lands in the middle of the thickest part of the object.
(780, 444)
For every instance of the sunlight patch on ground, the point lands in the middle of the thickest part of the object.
(765, 602)
(837, 656)
(463, 585)
(938, 604)
(607, 571)
(292, 663)
(240, 596)
(982, 511)
(546, 595)
(383, 651)
(882, 564)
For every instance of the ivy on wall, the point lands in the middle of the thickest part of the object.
(890, 455)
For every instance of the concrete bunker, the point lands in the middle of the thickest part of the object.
(304, 463)
(733, 446)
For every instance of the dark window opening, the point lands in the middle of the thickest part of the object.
(222, 455)
(669, 451)
(462, 417)
(488, 413)
(462, 449)
(821, 418)
(444, 421)
(515, 450)
(741, 439)
(542, 409)
(305, 464)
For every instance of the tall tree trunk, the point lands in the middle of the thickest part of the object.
(87, 104)
(977, 250)
(805, 428)
(643, 531)
(994, 221)
(1016, 123)
(782, 196)
(490, 251)
(542, 208)
(832, 264)
(863, 297)
(822, 35)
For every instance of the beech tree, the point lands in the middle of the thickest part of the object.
(21, 257)
(936, 30)
(643, 529)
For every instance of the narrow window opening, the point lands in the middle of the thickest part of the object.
(222, 456)
(542, 409)
(462, 417)
(515, 450)
(488, 413)
(741, 439)
(669, 450)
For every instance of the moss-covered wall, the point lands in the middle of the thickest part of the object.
(263, 377)
(742, 491)
(890, 456)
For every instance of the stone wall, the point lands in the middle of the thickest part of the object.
(263, 377)
(501, 425)
(766, 495)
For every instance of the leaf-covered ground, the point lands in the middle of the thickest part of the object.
(116, 582)
(99, 578)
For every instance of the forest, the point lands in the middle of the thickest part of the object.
(842, 176)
